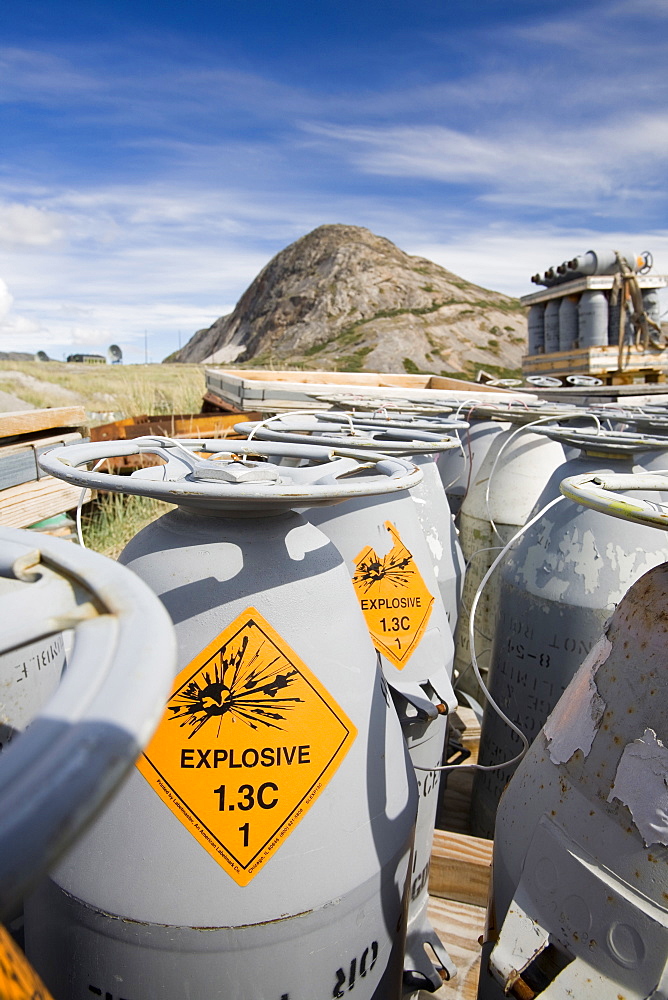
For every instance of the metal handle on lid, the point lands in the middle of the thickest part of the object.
(398, 441)
(599, 491)
(58, 772)
(583, 380)
(187, 478)
(544, 381)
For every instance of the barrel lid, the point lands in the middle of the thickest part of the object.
(238, 476)
(603, 442)
(391, 440)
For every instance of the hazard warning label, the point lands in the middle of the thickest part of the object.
(248, 741)
(17, 980)
(394, 599)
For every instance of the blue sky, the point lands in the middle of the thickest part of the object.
(154, 156)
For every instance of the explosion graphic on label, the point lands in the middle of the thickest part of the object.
(395, 567)
(243, 680)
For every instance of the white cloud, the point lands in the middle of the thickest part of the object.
(28, 226)
(28, 74)
(6, 300)
(518, 163)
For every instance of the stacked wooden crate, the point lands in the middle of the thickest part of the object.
(27, 495)
(460, 873)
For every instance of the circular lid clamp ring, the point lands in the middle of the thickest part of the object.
(604, 442)
(600, 492)
(231, 480)
(431, 425)
(391, 441)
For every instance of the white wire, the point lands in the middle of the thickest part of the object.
(300, 413)
(513, 435)
(82, 497)
(474, 659)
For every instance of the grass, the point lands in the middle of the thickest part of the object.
(106, 391)
(110, 521)
(497, 371)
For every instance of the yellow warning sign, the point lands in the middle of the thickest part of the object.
(394, 598)
(17, 979)
(248, 741)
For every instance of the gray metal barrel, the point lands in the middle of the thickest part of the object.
(459, 468)
(391, 567)
(568, 323)
(74, 735)
(262, 846)
(536, 327)
(509, 481)
(410, 439)
(603, 261)
(593, 319)
(558, 585)
(580, 879)
(552, 326)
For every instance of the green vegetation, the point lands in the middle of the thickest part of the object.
(493, 345)
(471, 369)
(107, 391)
(354, 362)
(110, 521)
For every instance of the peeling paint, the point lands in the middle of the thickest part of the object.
(588, 563)
(520, 941)
(641, 784)
(434, 543)
(574, 722)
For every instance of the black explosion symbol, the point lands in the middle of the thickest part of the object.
(228, 686)
(395, 567)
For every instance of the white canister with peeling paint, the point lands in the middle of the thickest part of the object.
(559, 583)
(580, 874)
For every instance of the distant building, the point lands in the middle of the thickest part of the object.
(88, 359)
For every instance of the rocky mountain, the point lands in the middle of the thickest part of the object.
(342, 298)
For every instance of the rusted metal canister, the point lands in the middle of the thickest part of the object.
(580, 872)
(558, 585)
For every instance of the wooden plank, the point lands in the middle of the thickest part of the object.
(30, 502)
(195, 425)
(600, 361)
(460, 867)
(326, 378)
(459, 926)
(28, 421)
(18, 462)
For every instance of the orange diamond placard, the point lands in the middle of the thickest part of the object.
(18, 981)
(394, 599)
(249, 739)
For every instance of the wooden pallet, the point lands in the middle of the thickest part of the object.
(603, 362)
(459, 876)
(22, 422)
(31, 502)
(184, 425)
(26, 494)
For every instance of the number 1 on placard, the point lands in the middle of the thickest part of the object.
(244, 829)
